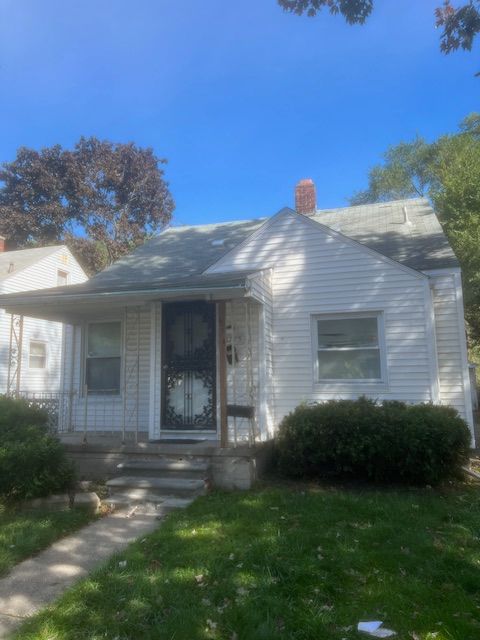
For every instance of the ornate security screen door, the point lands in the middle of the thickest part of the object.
(189, 366)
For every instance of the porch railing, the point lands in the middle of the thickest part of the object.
(57, 404)
(88, 413)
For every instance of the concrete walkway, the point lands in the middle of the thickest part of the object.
(36, 583)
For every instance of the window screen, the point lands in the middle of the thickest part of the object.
(103, 357)
(348, 349)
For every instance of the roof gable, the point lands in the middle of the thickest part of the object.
(228, 261)
(183, 254)
(12, 262)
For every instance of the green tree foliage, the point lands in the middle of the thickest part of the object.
(354, 11)
(101, 198)
(406, 172)
(460, 24)
(448, 172)
(456, 196)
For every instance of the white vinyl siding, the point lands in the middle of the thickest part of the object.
(315, 273)
(62, 278)
(105, 413)
(110, 412)
(261, 290)
(306, 272)
(42, 274)
(242, 343)
(449, 337)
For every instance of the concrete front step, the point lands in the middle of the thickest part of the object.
(139, 485)
(188, 468)
(132, 495)
(149, 505)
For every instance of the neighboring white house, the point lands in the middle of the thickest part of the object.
(218, 331)
(31, 348)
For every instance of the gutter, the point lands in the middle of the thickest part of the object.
(59, 298)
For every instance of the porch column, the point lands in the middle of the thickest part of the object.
(222, 374)
(15, 355)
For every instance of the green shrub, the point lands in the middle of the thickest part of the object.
(32, 460)
(389, 442)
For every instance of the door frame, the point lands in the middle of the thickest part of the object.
(179, 432)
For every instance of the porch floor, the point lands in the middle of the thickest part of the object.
(112, 443)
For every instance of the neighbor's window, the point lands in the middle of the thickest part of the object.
(348, 348)
(62, 278)
(102, 370)
(37, 356)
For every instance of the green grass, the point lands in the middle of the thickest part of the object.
(288, 562)
(25, 534)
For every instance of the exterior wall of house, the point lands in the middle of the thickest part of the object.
(261, 290)
(316, 271)
(110, 411)
(140, 397)
(305, 271)
(38, 276)
(243, 371)
(454, 383)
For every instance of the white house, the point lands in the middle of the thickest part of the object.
(216, 332)
(31, 348)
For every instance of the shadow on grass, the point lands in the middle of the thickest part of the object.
(25, 533)
(286, 563)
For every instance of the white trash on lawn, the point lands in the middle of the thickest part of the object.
(374, 629)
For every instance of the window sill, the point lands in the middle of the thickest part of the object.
(102, 396)
(353, 385)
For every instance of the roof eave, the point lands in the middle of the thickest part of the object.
(74, 308)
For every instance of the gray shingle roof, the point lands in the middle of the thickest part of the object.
(181, 253)
(178, 254)
(419, 244)
(21, 259)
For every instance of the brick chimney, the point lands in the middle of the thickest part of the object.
(2, 244)
(305, 197)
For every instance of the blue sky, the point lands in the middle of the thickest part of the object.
(242, 98)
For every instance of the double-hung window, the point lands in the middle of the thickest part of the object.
(37, 357)
(103, 357)
(348, 348)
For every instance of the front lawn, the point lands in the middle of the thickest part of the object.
(25, 534)
(288, 562)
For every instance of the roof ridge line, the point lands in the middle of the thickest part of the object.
(384, 203)
(215, 224)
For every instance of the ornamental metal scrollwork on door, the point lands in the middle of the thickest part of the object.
(189, 366)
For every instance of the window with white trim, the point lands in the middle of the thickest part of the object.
(103, 357)
(62, 278)
(348, 348)
(37, 355)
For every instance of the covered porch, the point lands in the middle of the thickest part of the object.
(183, 365)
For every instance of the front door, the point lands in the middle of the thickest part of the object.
(189, 366)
